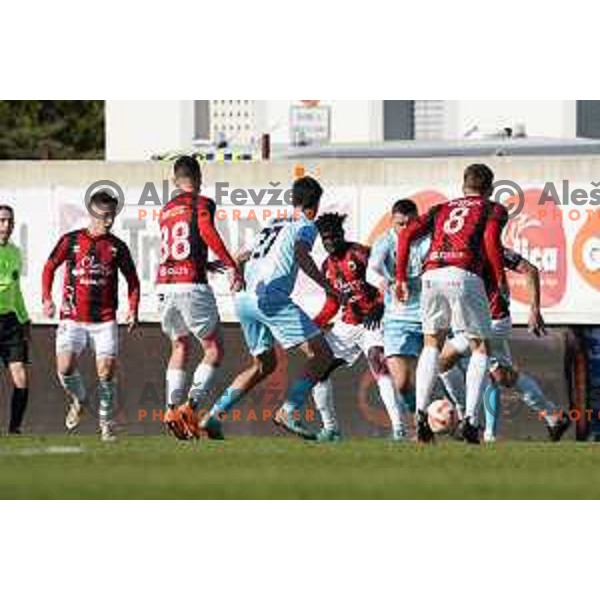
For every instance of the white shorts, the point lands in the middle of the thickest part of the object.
(500, 353)
(348, 342)
(73, 338)
(453, 298)
(187, 308)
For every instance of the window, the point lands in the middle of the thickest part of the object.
(413, 119)
(202, 120)
(588, 119)
(230, 120)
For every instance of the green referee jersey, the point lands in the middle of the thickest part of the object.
(11, 298)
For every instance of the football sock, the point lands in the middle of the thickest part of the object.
(227, 401)
(17, 408)
(454, 382)
(491, 406)
(323, 397)
(393, 402)
(204, 377)
(175, 384)
(408, 400)
(427, 370)
(297, 393)
(477, 379)
(73, 385)
(534, 397)
(106, 395)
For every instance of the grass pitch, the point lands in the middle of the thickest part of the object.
(82, 467)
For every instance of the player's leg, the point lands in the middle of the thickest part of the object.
(392, 389)
(104, 338)
(260, 343)
(263, 365)
(436, 314)
(451, 374)
(533, 396)
(202, 319)
(500, 368)
(174, 327)
(71, 340)
(106, 368)
(175, 377)
(20, 379)
(343, 339)
(14, 353)
(319, 362)
(402, 343)
(323, 397)
(471, 314)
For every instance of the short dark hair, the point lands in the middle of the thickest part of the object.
(9, 209)
(188, 167)
(306, 193)
(405, 206)
(104, 199)
(479, 178)
(330, 223)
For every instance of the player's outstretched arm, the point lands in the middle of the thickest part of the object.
(376, 267)
(213, 240)
(417, 229)
(57, 257)
(536, 323)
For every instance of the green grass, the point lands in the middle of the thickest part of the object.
(280, 467)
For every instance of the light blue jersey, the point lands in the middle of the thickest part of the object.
(272, 267)
(265, 309)
(383, 260)
(402, 331)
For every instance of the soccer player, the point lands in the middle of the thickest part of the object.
(93, 257)
(502, 371)
(465, 234)
(359, 330)
(14, 320)
(187, 303)
(268, 314)
(402, 329)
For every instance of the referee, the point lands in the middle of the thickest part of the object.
(14, 320)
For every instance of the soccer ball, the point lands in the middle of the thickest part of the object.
(442, 416)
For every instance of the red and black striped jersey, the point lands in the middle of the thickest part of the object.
(347, 274)
(498, 301)
(187, 231)
(465, 233)
(91, 279)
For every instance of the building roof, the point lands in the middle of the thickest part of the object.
(442, 148)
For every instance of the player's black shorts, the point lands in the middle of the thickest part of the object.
(13, 345)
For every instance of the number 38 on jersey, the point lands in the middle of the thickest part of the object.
(175, 242)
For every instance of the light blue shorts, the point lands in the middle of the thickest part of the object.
(267, 319)
(402, 338)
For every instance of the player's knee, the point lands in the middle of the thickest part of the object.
(180, 349)
(213, 354)
(19, 375)
(504, 376)
(500, 376)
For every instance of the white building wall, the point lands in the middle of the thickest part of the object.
(351, 120)
(136, 129)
